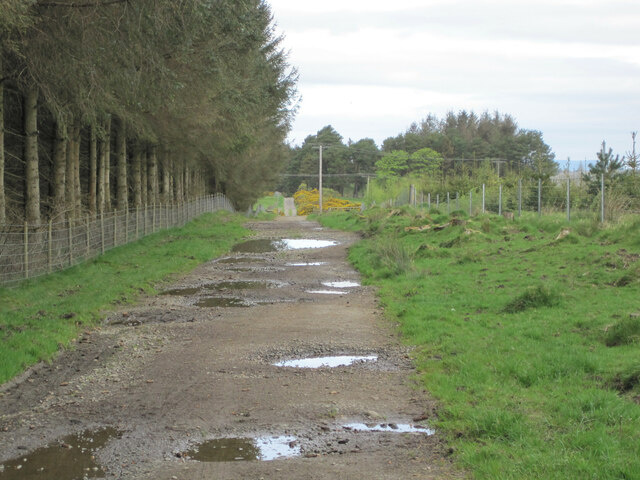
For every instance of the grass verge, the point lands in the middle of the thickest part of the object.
(526, 332)
(41, 316)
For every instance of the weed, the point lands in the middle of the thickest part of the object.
(624, 332)
(394, 256)
(533, 297)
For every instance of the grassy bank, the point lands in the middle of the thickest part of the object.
(526, 331)
(41, 316)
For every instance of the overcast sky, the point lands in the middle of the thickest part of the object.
(568, 68)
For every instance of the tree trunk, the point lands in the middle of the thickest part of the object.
(177, 194)
(153, 176)
(69, 193)
(59, 170)
(77, 192)
(187, 183)
(107, 164)
(136, 173)
(144, 174)
(101, 175)
(166, 172)
(3, 207)
(121, 155)
(32, 174)
(93, 167)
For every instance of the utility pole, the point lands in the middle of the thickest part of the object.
(319, 147)
(499, 162)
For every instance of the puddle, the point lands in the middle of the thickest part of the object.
(71, 458)
(212, 302)
(330, 362)
(388, 427)
(299, 243)
(240, 285)
(245, 449)
(265, 245)
(307, 264)
(182, 291)
(345, 284)
(238, 260)
(327, 292)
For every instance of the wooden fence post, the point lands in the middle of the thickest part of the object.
(26, 250)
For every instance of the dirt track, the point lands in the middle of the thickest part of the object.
(169, 375)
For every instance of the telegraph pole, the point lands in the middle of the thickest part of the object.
(320, 179)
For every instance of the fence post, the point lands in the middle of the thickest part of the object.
(88, 238)
(470, 202)
(126, 226)
(500, 201)
(26, 250)
(102, 231)
(448, 203)
(137, 221)
(519, 197)
(568, 200)
(70, 243)
(429, 201)
(144, 218)
(457, 200)
(50, 252)
(602, 198)
(115, 228)
(539, 197)
(483, 197)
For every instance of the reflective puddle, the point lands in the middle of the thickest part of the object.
(306, 264)
(345, 284)
(330, 362)
(240, 285)
(245, 449)
(327, 292)
(388, 427)
(182, 291)
(300, 243)
(71, 458)
(265, 245)
(238, 260)
(212, 302)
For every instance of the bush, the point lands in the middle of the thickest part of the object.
(534, 297)
(625, 332)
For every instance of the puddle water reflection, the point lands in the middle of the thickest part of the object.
(307, 264)
(331, 362)
(243, 449)
(211, 302)
(182, 291)
(327, 292)
(388, 427)
(265, 245)
(238, 260)
(239, 285)
(345, 284)
(73, 457)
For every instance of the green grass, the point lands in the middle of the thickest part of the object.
(41, 316)
(527, 339)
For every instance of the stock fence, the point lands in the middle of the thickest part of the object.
(28, 251)
(569, 197)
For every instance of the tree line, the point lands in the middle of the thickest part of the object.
(113, 104)
(454, 150)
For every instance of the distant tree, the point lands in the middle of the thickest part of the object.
(393, 164)
(425, 161)
(633, 156)
(607, 165)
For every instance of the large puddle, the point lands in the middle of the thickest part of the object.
(344, 284)
(326, 362)
(244, 449)
(327, 292)
(388, 427)
(71, 458)
(306, 264)
(229, 285)
(265, 245)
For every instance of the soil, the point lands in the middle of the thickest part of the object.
(168, 375)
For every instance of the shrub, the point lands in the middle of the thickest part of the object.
(625, 332)
(533, 297)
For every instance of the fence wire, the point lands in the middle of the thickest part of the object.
(29, 251)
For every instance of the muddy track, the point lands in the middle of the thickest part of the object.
(178, 377)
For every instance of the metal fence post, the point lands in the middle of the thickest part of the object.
(568, 200)
(500, 201)
(429, 201)
(26, 250)
(539, 196)
(115, 228)
(602, 198)
(448, 203)
(50, 249)
(88, 238)
(102, 230)
(519, 197)
(470, 202)
(457, 200)
(70, 230)
(483, 197)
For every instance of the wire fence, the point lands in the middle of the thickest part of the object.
(29, 251)
(571, 198)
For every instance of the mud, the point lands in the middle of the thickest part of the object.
(172, 376)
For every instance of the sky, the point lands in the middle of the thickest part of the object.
(567, 68)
